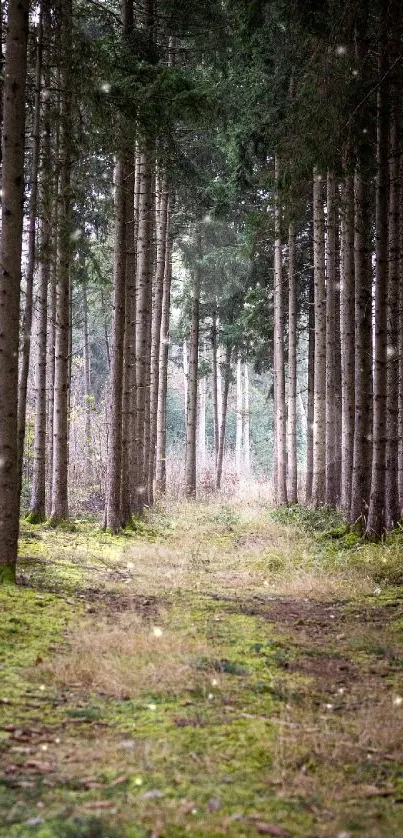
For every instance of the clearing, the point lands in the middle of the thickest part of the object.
(225, 670)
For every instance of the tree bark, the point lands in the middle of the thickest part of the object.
(161, 235)
(227, 380)
(292, 366)
(214, 350)
(246, 422)
(347, 332)
(239, 418)
(163, 361)
(59, 507)
(10, 277)
(279, 368)
(332, 489)
(319, 423)
(29, 280)
(311, 387)
(376, 517)
(191, 417)
(38, 493)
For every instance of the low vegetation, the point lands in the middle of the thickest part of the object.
(224, 670)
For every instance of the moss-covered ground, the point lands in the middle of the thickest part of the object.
(219, 670)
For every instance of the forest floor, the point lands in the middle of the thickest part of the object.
(225, 670)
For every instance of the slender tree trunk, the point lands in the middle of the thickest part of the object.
(246, 422)
(27, 318)
(161, 234)
(185, 368)
(319, 424)
(363, 353)
(239, 418)
(214, 349)
(129, 347)
(347, 331)
(331, 428)
(279, 367)
(143, 320)
(311, 387)
(202, 420)
(392, 508)
(376, 517)
(401, 346)
(59, 509)
(51, 337)
(191, 417)
(113, 517)
(163, 374)
(292, 365)
(38, 493)
(227, 380)
(87, 387)
(10, 277)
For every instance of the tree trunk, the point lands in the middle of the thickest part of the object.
(143, 320)
(59, 510)
(292, 366)
(331, 428)
(163, 361)
(363, 354)
(202, 419)
(279, 369)
(191, 417)
(10, 277)
(392, 508)
(87, 387)
(129, 347)
(239, 418)
(347, 332)
(401, 345)
(214, 349)
(319, 422)
(311, 387)
(161, 235)
(227, 380)
(246, 422)
(376, 517)
(38, 493)
(29, 284)
(113, 518)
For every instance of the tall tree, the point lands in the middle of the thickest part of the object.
(292, 366)
(279, 368)
(10, 276)
(319, 424)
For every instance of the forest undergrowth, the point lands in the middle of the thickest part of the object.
(225, 669)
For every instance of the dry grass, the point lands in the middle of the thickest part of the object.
(129, 657)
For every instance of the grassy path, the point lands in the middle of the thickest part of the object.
(219, 672)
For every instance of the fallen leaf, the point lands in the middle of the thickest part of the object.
(117, 782)
(100, 804)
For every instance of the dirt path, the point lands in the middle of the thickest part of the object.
(218, 673)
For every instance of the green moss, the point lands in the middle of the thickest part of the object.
(7, 575)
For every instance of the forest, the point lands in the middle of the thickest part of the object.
(201, 418)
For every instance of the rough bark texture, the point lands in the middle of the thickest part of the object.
(163, 362)
(10, 277)
(143, 320)
(191, 414)
(332, 489)
(319, 423)
(279, 369)
(311, 382)
(129, 347)
(113, 518)
(376, 518)
(38, 493)
(227, 380)
(292, 367)
(59, 509)
(214, 349)
(246, 422)
(29, 277)
(347, 332)
(239, 418)
(363, 354)
(161, 235)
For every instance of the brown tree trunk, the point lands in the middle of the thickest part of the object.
(163, 362)
(10, 277)
(29, 284)
(227, 381)
(113, 519)
(129, 348)
(311, 387)
(143, 322)
(332, 489)
(292, 366)
(347, 332)
(191, 417)
(280, 423)
(59, 507)
(87, 387)
(161, 235)
(319, 424)
(214, 348)
(38, 493)
(376, 517)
